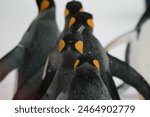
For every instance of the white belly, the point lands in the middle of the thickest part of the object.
(140, 52)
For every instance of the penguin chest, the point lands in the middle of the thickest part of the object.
(62, 79)
(139, 57)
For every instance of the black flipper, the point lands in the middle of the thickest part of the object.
(46, 83)
(130, 76)
(108, 80)
(11, 61)
(127, 59)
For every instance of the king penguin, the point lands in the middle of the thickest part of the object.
(72, 8)
(70, 47)
(109, 64)
(87, 83)
(91, 44)
(38, 42)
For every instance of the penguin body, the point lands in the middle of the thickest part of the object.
(38, 42)
(91, 44)
(72, 8)
(87, 83)
(70, 46)
(136, 50)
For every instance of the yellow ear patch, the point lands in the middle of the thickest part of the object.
(79, 46)
(81, 10)
(90, 23)
(72, 21)
(67, 12)
(44, 5)
(97, 64)
(61, 45)
(76, 64)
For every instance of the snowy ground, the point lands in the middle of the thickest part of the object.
(111, 17)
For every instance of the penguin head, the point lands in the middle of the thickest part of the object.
(147, 3)
(72, 8)
(71, 42)
(82, 18)
(45, 4)
(88, 66)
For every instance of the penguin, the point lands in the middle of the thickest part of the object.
(108, 67)
(70, 47)
(72, 7)
(136, 50)
(87, 83)
(37, 43)
(92, 44)
(137, 44)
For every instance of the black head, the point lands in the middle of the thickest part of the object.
(45, 4)
(73, 7)
(87, 59)
(147, 3)
(71, 41)
(82, 18)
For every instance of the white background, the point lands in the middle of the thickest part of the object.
(111, 17)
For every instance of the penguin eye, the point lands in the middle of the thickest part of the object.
(67, 12)
(81, 10)
(72, 21)
(90, 23)
(79, 46)
(44, 5)
(61, 45)
(76, 64)
(97, 64)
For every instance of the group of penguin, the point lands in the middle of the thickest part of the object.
(67, 65)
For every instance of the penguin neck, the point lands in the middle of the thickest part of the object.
(48, 13)
(66, 23)
(67, 59)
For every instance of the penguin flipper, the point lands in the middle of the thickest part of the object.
(12, 60)
(49, 73)
(130, 76)
(125, 38)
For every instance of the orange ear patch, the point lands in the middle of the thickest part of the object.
(97, 64)
(81, 10)
(90, 23)
(76, 64)
(67, 12)
(79, 46)
(61, 45)
(44, 5)
(72, 21)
